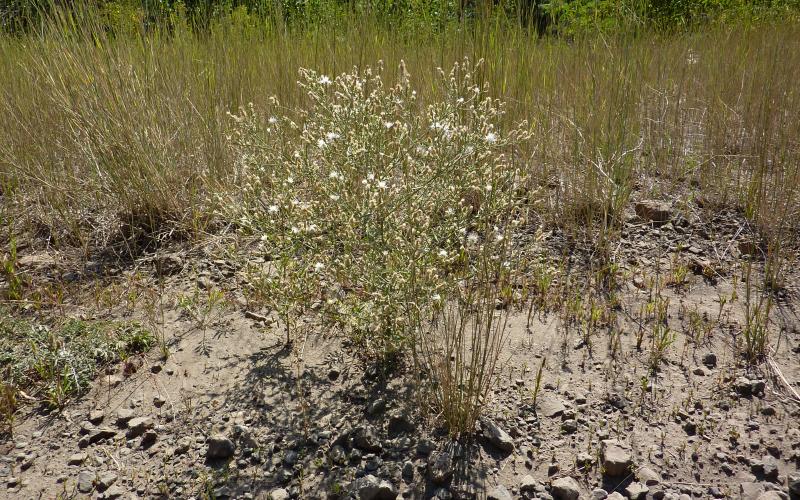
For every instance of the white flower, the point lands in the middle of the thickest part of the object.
(491, 138)
(388, 125)
(334, 197)
(319, 266)
(273, 209)
(370, 177)
(324, 80)
(331, 136)
(295, 230)
(290, 179)
(472, 238)
(488, 188)
(335, 175)
(382, 185)
(321, 143)
(436, 297)
(443, 253)
(272, 120)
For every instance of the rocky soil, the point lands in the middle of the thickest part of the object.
(234, 413)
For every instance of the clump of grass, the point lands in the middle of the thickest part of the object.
(54, 364)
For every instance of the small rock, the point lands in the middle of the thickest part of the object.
(124, 415)
(710, 360)
(279, 494)
(365, 438)
(408, 471)
(616, 496)
(569, 426)
(370, 487)
(149, 438)
(159, 400)
(794, 484)
(499, 493)
(653, 210)
(648, 476)
(114, 492)
(750, 490)
(106, 479)
(565, 488)
(527, 484)
(77, 459)
(86, 481)
(598, 494)
(549, 405)
(220, 447)
(636, 491)
(616, 458)
(771, 495)
(440, 467)
(101, 434)
(497, 437)
(137, 426)
(96, 416)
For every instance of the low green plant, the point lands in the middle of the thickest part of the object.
(55, 364)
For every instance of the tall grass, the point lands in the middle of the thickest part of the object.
(102, 132)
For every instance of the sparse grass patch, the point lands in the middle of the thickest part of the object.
(54, 364)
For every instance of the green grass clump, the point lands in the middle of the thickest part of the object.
(54, 364)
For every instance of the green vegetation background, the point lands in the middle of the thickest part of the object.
(562, 17)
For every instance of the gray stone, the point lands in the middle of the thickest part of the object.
(86, 481)
(616, 496)
(77, 459)
(220, 447)
(124, 415)
(113, 492)
(750, 490)
(549, 405)
(279, 494)
(636, 491)
(598, 494)
(370, 487)
(616, 458)
(440, 467)
(497, 437)
(365, 438)
(101, 434)
(771, 495)
(648, 476)
(565, 488)
(527, 484)
(794, 484)
(106, 479)
(137, 426)
(149, 438)
(96, 416)
(499, 493)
